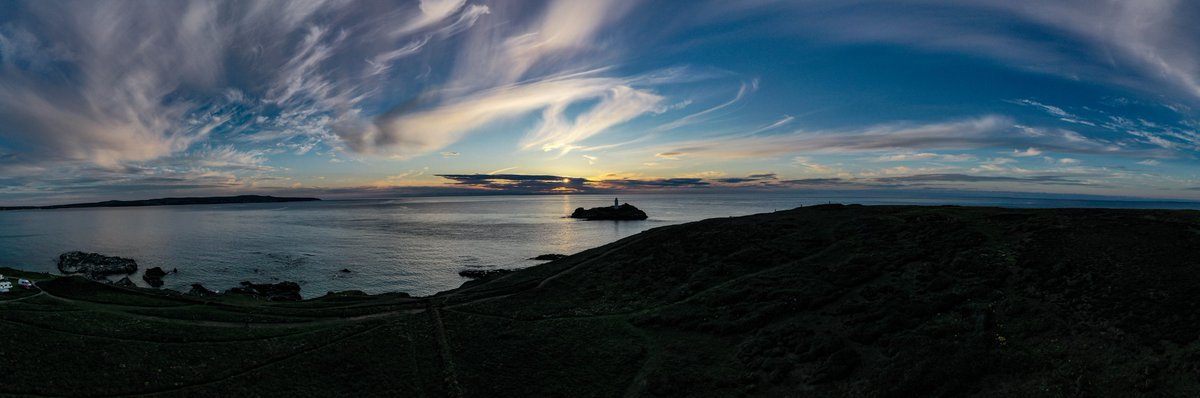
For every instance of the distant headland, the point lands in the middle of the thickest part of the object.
(210, 200)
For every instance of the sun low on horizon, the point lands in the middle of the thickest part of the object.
(104, 100)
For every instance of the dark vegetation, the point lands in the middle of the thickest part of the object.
(822, 301)
(210, 200)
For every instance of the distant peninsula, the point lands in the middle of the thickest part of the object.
(209, 200)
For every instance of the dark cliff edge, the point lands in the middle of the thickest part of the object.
(209, 200)
(821, 301)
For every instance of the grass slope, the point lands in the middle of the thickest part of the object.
(822, 301)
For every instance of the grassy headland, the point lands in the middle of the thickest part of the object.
(822, 301)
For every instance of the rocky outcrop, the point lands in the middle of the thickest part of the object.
(124, 282)
(282, 291)
(482, 273)
(153, 276)
(623, 212)
(95, 265)
(549, 257)
(200, 290)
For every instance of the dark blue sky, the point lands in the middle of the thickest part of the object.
(132, 99)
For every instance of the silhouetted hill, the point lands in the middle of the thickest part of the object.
(209, 200)
(822, 301)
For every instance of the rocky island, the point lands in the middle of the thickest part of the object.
(820, 301)
(623, 211)
(154, 276)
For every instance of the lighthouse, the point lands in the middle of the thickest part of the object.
(616, 203)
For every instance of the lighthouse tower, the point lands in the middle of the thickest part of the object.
(616, 203)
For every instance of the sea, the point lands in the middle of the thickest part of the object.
(414, 245)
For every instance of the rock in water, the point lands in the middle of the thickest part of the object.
(549, 257)
(623, 212)
(282, 291)
(95, 265)
(154, 276)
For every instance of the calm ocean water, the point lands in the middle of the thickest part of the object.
(414, 245)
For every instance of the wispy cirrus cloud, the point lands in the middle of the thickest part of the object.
(432, 12)
(743, 90)
(989, 131)
(1055, 111)
(109, 82)
(971, 133)
(407, 133)
(965, 178)
(496, 77)
(1147, 45)
(912, 156)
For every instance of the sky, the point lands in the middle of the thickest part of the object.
(139, 99)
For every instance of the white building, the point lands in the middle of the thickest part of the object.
(5, 286)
